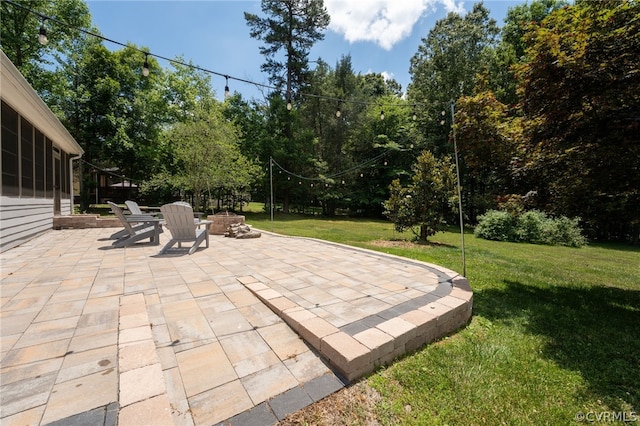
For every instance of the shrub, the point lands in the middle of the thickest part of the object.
(564, 231)
(531, 227)
(496, 225)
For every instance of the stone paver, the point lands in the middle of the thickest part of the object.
(244, 332)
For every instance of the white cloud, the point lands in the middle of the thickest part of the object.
(384, 22)
(386, 75)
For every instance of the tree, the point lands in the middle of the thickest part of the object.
(289, 31)
(207, 157)
(520, 17)
(489, 141)
(427, 201)
(19, 24)
(581, 97)
(511, 50)
(292, 26)
(446, 67)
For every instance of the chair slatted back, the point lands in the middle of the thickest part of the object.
(179, 220)
(133, 207)
(118, 212)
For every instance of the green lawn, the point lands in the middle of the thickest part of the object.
(555, 330)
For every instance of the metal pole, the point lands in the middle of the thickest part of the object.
(455, 147)
(271, 186)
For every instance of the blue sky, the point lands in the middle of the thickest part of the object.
(380, 35)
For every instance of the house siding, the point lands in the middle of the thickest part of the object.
(35, 162)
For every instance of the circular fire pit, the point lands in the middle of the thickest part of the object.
(220, 222)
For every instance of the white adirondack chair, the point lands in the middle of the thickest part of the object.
(136, 228)
(179, 220)
(133, 207)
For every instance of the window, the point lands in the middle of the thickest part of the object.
(10, 183)
(39, 156)
(26, 155)
(49, 168)
(65, 190)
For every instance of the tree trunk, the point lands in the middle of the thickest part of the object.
(424, 233)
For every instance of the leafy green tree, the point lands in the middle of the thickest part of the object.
(446, 67)
(114, 112)
(289, 30)
(511, 50)
(489, 143)
(381, 150)
(19, 26)
(427, 201)
(186, 90)
(206, 156)
(581, 97)
(520, 17)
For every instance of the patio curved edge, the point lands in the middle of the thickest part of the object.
(359, 348)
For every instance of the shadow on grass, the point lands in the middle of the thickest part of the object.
(595, 331)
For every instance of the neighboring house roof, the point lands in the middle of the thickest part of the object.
(18, 93)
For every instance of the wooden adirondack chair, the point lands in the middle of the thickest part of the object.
(133, 207)
(179, 220)
(136, 228)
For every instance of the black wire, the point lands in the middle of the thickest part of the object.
(196, 67)
(341, 173)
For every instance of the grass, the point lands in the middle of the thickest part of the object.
(555, 332)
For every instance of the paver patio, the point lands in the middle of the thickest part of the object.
(244, 331)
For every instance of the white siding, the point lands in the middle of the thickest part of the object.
(23, 218)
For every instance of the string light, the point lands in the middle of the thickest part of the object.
(43, 39)
(338, 113)
(415, 114)
(289, 106)
(226, 87)
(145, 67)
(42, 36)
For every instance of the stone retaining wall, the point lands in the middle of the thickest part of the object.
(82, 221)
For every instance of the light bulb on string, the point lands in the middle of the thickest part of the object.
(289, 106)
(42, 34)
(338, 113)
(226, 87)
(381, 115)
(145, 66)
(415, 114)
